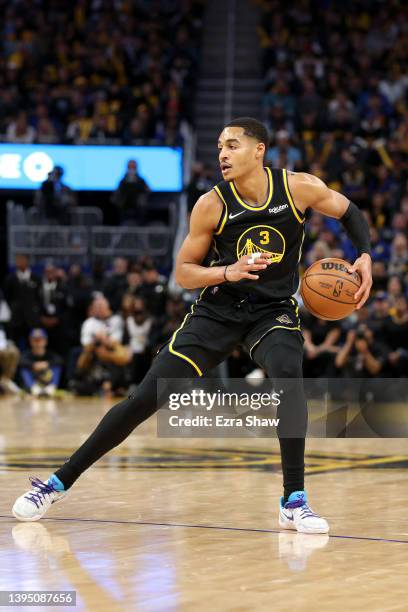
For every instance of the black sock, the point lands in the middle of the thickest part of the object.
(293, 465)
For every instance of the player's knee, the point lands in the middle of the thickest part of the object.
(279, 365)
(286, 370)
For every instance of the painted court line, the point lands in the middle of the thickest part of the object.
(215, 527)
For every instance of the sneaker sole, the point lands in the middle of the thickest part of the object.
(292, 527)
(37, 518)
(313, 530)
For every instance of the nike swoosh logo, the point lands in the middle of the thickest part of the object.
(290, 518)
(237, 214)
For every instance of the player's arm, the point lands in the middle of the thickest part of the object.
(309, 191)
(189, 272)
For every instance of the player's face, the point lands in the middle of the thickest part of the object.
(238, 153)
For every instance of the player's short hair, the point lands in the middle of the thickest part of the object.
(252, 128)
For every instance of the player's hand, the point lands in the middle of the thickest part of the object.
(247, 264)
(362, 265)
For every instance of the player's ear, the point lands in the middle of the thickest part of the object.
(260, 150)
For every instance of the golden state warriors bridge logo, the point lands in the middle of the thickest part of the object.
(262, 239)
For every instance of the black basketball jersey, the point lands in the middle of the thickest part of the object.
(275, 227)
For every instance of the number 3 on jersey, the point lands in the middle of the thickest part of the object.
(264, 237)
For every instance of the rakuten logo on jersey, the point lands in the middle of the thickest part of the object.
(278, 209)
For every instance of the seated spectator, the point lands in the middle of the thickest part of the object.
(395, 289)
(131, 196)
(54, 306)
(54, 198)
(116, 284)
(138, 326)
(153, 289)
(319, 250)
(134, 279)
(19, 131)
(399, 256)
(79, 291)
(166, 324)
(361, 356)
(9, 358)
(40, 368)
(22, 292)
(380, 250)
(201, 181)
(100, 364)
(353, 178)
(380, 212)
(380, 276)
(378, 316)
(396, 333)
(321, 338)
(46, 133)
(284, 154)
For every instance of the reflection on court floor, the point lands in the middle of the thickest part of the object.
(192, 524)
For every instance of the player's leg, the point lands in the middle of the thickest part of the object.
(280, 353)
(202, 342)
(115, 426)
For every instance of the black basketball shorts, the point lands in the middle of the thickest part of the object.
(218, 322)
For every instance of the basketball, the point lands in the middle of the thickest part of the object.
(327, 289)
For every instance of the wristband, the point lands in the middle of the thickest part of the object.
(225, 273)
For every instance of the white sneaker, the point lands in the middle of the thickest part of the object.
(297, 515)
(36, 390)
(49, 390)
(34, 504)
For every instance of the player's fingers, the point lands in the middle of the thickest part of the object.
(256, 266)
(364, 287)
(359, 292)
(258, 258)
(363, 299)
(265, 256)
(250, 276)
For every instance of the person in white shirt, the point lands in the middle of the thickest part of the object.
(101, 323)
(100, 366)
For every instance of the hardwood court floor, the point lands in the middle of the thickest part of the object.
(191, 525)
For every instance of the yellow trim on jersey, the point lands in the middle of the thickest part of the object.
(296, 305)
(224, 220)
(269, 330)
(291, 202)
(248, 206)
(301, 245)
(177, 353)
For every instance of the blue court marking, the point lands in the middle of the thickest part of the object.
(215, 527)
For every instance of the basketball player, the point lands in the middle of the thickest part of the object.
(247, 300)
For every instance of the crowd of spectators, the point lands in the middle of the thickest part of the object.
(88, 334)
(98, 71)
(335, 101)
(97, 335)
